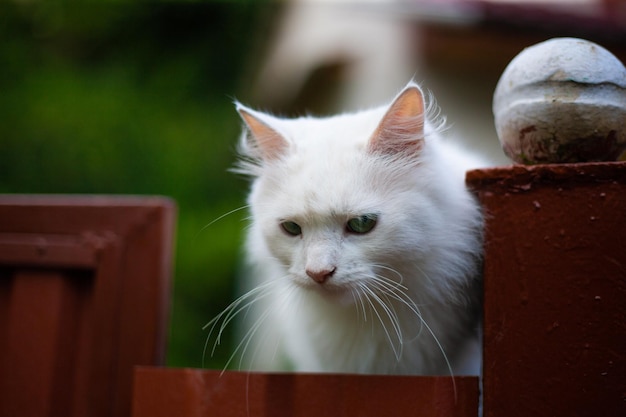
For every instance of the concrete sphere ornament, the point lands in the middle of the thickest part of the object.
(562, 100)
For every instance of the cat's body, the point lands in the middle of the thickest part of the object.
(364, 245)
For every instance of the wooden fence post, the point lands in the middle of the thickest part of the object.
(554, 289)
(84, 297)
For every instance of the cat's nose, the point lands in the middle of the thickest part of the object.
(320, 276)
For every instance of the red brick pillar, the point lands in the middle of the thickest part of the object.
(555, 289)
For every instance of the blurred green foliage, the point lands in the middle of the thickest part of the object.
(129, 98)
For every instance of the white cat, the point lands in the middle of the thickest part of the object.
(365, 244)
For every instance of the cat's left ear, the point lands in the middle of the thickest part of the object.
(268, 141)
(402, 128)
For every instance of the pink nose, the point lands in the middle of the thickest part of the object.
(322, 275)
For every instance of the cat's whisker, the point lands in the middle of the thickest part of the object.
(212, 222)
(392, 295)
(396, 289)
(287, 299)
(242, 303)
(355, 298)
(371, 296)
(424, 274)
(362, 295)
(213, 323)
(398, 274)
(233, 309)
(399, 293)
(246, 339)
(388, 284)
(382, 283)
(392, 291)
(365, 292)
(257, 325)
(442, 350)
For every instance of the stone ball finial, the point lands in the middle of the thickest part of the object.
(562, 100)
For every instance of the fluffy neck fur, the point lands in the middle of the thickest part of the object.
(400, 298)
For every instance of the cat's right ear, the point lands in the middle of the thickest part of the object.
(271, 144)
(401, 130)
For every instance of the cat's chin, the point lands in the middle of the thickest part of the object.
(330, 292)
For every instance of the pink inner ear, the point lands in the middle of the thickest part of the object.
(409, 104)
(402, 127)
(269, 141)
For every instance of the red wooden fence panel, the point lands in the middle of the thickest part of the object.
(202, 393)
(84, 296)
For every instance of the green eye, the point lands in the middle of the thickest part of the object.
(291, 228)
(362, 224)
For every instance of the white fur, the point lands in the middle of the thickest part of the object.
(426, 246)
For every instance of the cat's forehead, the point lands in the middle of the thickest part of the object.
(340, 131)
(311, 205)
(335, 184)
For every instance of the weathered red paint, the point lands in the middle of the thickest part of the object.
(204, 393)
(84, 296)
(554, 289)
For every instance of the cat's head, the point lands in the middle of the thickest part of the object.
(346, 203)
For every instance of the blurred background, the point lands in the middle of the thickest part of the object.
(136, 98)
